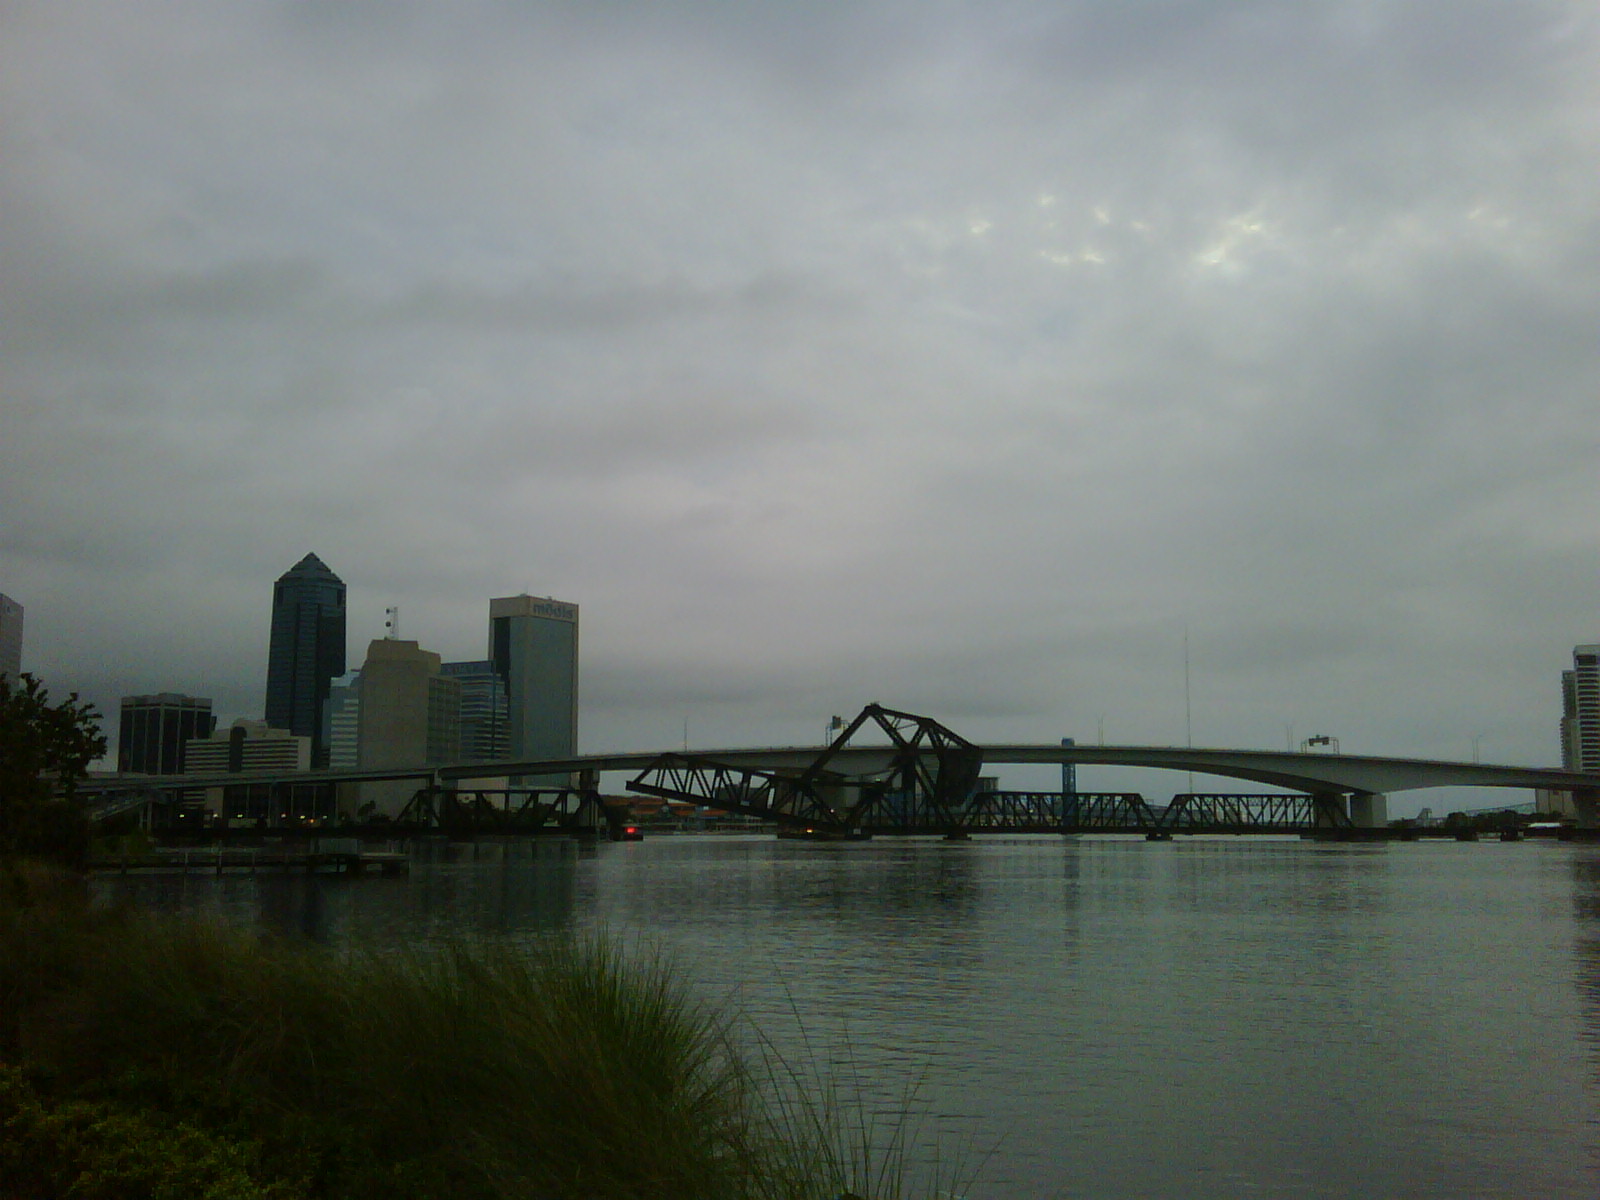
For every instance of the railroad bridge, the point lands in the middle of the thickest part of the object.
(890, 771)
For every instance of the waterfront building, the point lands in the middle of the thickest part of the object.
(485, 709)
(10, 637)
(1580, 711)
(154, 731)
(410, 716)
(307, 650)
(256, 746)
(533, 644)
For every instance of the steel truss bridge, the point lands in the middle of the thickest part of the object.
(929, 785)
(513, 811)
(576, 811)
(1128, 812)
(913, 776)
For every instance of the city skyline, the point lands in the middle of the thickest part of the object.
(1198, 372)
(556, 612)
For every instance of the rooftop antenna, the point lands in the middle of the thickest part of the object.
(392, 622)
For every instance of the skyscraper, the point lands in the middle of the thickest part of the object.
(10, 638)
(1580, 711)
(484, 709)
(533, 645)
(307, 650)
(151, 736)
(410, 716)
(341, 717)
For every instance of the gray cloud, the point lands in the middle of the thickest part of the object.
(957, 358)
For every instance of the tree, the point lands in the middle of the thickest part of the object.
(45, 751)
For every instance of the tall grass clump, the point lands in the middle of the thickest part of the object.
(569, 1070)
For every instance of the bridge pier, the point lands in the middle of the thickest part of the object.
(1330, 809)
(1369, 810)
(1587, 803)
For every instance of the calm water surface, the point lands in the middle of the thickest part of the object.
(1097, 1018)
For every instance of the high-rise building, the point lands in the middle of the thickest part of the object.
(1580, 711)
(484, 709)
(10, 638)
(533, 644)
(341, 717)
(306, 652)
(410, 716)
(154, 729)
(410, 713)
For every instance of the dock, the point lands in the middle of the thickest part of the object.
(253, 861)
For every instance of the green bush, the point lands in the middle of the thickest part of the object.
(96, 1152)
(566, 1071)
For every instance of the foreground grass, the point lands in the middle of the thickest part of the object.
(156, 1056)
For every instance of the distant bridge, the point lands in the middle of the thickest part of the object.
(915, 766)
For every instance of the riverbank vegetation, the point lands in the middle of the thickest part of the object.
(45, 752)
(151, 1055)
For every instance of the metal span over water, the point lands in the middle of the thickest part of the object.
(923, 779)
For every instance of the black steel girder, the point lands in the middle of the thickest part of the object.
(770, 795)
(933, 768)
(509, 811)
(1230, 813)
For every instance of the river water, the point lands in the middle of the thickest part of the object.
(1100, 1018)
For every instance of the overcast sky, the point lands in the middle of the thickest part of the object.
(968, 358)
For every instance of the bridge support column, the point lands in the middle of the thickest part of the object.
(1587, 803)
(1330, 809)
(1369, 810)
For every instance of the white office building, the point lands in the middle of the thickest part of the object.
(248, 746)
(1580, 711)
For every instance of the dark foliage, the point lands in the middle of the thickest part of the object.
(45, 751)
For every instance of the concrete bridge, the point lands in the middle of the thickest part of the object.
(1362, 781)
(1359, 781)
(910, 756)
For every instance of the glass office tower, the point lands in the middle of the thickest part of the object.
(533, 644)
(485, 710)
(307, 650)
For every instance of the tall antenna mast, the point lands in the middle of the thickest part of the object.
(1188, 713)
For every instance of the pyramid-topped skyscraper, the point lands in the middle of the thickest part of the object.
(307, 650)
